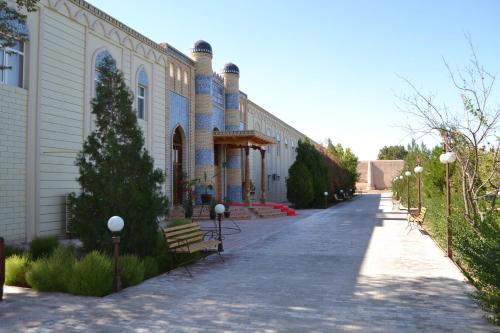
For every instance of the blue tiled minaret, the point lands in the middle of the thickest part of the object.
(204, 142)
(232, 121)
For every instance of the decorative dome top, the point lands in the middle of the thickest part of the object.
(202, 46)
(231, 68)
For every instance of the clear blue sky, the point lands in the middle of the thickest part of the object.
(329, 68)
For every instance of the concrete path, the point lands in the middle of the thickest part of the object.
(351, 268)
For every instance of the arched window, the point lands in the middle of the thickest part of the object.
(99, 58)
(142, 94)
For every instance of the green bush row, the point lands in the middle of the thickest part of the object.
(57, 269)
(53, 268)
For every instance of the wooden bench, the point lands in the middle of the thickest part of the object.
(187, 239)
(417, 219)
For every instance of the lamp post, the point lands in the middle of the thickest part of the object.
(326, 199)
(408, 174)
(115, 225)
(219, 210)
(418, 170)
(446, 158)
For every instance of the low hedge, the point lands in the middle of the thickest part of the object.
(132, 270)
(52, 273)
(42, 247)
(16, 267)
(92, 276)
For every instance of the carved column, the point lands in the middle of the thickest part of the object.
(263, 196)
(247, 175)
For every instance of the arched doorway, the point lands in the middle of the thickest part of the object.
(177, 159)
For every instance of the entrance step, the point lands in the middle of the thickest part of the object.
(240, 213)
(177, 212)
(268, 211)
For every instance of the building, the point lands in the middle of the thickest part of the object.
(195, 122)
(378, 174)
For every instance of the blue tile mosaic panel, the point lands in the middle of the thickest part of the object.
(204, 157)
(233, 101)
(233, 161)
(218, 94)
(203, 84)
(179, 112)
(234, 193)
(218, 118)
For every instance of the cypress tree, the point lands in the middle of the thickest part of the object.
(117, 175)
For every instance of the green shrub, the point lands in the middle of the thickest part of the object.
(151, 268)
(132, 270)
(52, 273)
(178, 222)
(299, 186)
(113, 157)
(15, 270)
(161, 253)
(92, 276)
(12, 250)
(43, 247)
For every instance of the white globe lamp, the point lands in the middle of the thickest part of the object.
(115, 224)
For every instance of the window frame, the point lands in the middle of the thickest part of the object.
(8, 51)
(144, 100)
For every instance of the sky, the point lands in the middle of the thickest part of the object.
(331, 69)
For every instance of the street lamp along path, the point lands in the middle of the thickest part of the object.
(446, 158)
(115, 225)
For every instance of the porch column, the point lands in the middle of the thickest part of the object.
(263, 196)
(247, 175)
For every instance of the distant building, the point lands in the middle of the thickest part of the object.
(378, 174)
(194, 120)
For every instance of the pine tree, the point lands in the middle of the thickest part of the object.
(117, 175)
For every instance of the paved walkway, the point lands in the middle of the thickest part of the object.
(351, 268)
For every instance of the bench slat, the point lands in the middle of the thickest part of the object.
(206, 245)
(184, 226)
(185, 237)
(194, 240)
(182, 231)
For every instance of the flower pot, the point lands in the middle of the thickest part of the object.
(227, 214)
(206, 198)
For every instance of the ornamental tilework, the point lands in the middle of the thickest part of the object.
(179, 112)
(234, 193)
(218, 118)
(204, 157)
(218, 94)
(203, 85)
(233, 161)
(233, 101)
(203, 121)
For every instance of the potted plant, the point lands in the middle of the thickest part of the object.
(212, 204)
(227, 212)
(206, 186)
(252, 188)
(188, 205)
